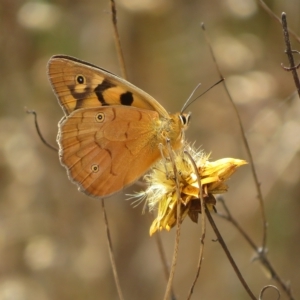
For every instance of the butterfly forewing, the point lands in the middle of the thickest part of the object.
(78, 84)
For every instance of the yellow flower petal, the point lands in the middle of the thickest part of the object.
(161, 194)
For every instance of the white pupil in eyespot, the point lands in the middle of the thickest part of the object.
(80, 79)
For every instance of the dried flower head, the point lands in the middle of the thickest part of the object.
(161, 195)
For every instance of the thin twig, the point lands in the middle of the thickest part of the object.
(178, 222)
(162, 254)
(123, 70)
(261, 255)
(266, 288)
(117, 40)
(255, 177)
(163, 259)
(203, 226)
(273, 15)
(289, 52)
(37, 127)
(232, 262)
(229, 218)
(111, 253)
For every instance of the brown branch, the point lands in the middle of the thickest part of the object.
(289, 52)
(117, 39)
(232, 262)
(163, 259)
(229, 218)
(111, 253)
(162, 254)
(273, 15)
(169, 274)
(245, 141)
(261, 253)
(37, 128)
(266, 288)
(203, 226)
(178, 222)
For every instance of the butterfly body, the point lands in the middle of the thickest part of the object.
(111, 130)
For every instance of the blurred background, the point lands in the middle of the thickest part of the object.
(52, 237)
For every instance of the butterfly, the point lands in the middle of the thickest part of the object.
(111, 131)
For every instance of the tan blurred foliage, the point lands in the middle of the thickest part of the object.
(52, 238)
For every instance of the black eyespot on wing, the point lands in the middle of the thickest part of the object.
(82, 95)
(100, 117)
(80, 79)
(95, 168)
(126, 98)
(100, 88)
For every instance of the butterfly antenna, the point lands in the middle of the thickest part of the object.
(188, 103)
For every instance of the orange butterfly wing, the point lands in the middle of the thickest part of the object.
(106, 149)
(111, 130)
(78, 84)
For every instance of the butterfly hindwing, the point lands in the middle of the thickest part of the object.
(105, 149)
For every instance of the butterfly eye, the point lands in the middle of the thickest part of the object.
(95, 168)
(185, 119)
(100, 117)
(80, 79)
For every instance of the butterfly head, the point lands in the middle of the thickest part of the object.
(176, 128)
